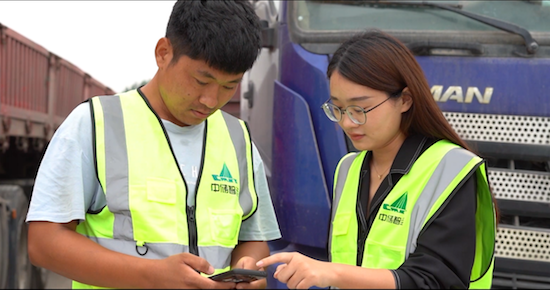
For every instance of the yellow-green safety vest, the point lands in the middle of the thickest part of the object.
(147, 213)
(409, 207)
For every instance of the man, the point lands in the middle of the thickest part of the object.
(156, 187)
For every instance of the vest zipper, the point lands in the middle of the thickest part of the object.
(362, 237)
(191, 220)
(191, 215)
(363, 226)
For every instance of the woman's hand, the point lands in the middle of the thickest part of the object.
(299, 271)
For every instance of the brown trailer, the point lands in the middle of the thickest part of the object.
(38, 89)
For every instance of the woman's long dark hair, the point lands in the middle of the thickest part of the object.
(379, 61)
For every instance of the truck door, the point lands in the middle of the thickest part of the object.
(257, 85)
(487, 63)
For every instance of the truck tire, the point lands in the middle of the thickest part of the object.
(4, 244)
(19, 265)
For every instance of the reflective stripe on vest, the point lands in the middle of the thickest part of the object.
(146, 194)
(407, 209)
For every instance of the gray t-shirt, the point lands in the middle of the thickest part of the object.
(66, 186)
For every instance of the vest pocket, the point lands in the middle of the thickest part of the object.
(342, 249)
(224, 226)
(340, 224)
(155, 214)
(161, 190)
(383, 256)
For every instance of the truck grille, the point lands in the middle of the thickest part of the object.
(520, 185)
(501, 128)
(520, 243)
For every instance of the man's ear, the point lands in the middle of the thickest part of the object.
(163, 52)
(406, 100)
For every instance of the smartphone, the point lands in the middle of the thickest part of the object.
(239, 275)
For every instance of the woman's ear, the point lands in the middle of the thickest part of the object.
(406, 100)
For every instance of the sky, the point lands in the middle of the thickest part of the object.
(113, 41)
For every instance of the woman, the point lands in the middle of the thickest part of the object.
(413, 208)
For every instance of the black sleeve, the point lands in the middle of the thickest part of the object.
(445, 252)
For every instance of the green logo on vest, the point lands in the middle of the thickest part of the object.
(225, 175)
(399, 206)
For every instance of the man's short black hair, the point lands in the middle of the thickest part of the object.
(224, 34)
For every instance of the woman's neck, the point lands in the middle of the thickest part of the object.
(382, 158)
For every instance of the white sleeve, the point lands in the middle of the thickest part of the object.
(66, 181)
(262, 225)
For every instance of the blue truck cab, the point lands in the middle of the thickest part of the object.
(488, 66)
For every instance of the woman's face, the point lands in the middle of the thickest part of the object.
(382, 123)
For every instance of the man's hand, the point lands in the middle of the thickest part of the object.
(181, 271)
(299, 271)
(245, 255)
(249, 263)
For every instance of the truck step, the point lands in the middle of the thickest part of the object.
(524, 244)
(521, 193)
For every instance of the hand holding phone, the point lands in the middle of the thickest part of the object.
(239, 275)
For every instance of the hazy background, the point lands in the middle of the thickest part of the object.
(113, 41)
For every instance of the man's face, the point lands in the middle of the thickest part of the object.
(191, 90)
